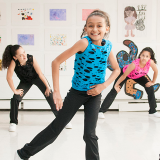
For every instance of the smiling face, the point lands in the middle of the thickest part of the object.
(144, 57)
(96, 28)
(21, 56)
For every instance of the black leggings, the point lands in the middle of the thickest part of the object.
(17, 98)
(72, 102)
(113, 93)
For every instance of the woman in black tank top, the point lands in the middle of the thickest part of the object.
(28, 71)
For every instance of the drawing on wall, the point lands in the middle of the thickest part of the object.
(58, 40)
(0, 39)
(124, 59)
(25, 13)
(0, 15)
(141, 17)
(130, 17)
(57, 14)
(134, 18)
(63, 66)
(0, 65)
(85, 13)
(25, 39)
(84, 9)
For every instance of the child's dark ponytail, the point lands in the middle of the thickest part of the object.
(152, 54)
(8, 54)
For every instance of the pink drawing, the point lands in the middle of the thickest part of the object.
(85, 13)
(130, 17)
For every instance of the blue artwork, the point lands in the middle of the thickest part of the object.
(26, 39)
(57, 14)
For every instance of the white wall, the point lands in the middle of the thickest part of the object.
(111, 6)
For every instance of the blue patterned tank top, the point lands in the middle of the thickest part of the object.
(90, 66)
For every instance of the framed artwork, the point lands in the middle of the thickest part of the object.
(66, 68)
(58, 14)
(57, 39)
(158, 22)
(3, 14)
(83, 10)
(25, 14)
(3, 39)
(28, 39)
(134, 20)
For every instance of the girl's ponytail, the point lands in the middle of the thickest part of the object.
(8, 54)
(83, 33)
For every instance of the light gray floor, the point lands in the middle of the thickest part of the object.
(122, 136)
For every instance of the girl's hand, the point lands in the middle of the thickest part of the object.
(47, 92)
(117, 88)
(19, 92)
(149, 84)
(97, 89)
(57, 100)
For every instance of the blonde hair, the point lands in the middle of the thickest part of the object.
(101, 14)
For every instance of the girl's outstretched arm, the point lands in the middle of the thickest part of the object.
(97, 89)
(81, 45)
(10, 72)
(41, 76)
(130, 68)
(155, 69)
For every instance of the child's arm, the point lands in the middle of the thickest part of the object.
(130, 68)
(41, 76)
(81, 45)
(97, 89)
(10, 72)
(155, 69)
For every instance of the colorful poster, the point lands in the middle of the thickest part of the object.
(63, 66)
(85, 13)
(58, 40)
(57, 14)
(26, 39)
(26, 13)
(0, 39)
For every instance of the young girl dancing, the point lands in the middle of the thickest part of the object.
(88, 82)
(137, 71)
(28, 71)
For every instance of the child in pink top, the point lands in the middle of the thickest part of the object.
(137, 71)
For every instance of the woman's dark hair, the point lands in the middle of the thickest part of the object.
(152, 54)
(8, 54)
(102, 14)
